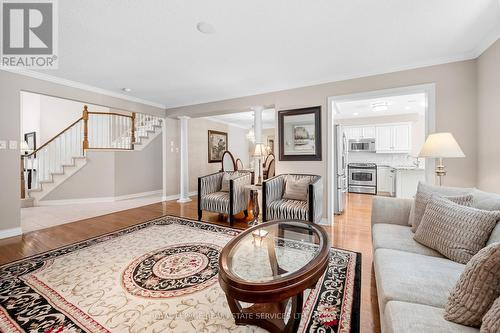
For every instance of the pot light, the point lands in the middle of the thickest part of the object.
(205, 28)
(356, 113)
(126, 89)
(407, 108)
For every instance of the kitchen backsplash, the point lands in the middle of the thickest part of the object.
(382, 159)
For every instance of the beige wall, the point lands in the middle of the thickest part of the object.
(455, 110)
(198, 147)
(11, 85)
(488, 125)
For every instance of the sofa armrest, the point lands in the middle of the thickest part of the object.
(391, 210)
(238, 193)
(210, 183)
(315, 200)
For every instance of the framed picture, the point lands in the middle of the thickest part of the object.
(217, 144)
(270, 143)
(300, 134)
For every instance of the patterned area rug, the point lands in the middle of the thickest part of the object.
(160, 276)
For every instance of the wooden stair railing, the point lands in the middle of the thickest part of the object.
(93, 130)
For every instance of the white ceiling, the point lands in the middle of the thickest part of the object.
(403, 104)
(258, 46)
(246, 119)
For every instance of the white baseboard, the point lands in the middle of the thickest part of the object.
(324, 221)
(10, 232)
(177, 196)
(97, 200)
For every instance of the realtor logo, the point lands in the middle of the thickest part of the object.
(29, 34)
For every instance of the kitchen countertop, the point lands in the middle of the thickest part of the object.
(401, 167)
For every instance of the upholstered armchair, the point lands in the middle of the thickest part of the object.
(280, 203)
(224, 192)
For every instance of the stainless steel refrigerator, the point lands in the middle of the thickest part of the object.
(340, 170)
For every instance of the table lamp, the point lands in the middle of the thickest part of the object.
(441, 145)
(258, 153)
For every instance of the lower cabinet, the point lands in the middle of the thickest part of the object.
(386, 180)
(407, 182)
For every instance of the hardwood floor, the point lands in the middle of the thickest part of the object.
(351, 230)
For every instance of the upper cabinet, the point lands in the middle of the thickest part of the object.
(360, 132)
(393, 138)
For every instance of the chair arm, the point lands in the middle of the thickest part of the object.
(273, 188)
(391, 210)
(238, 193)
(315, 200)
(210, 183)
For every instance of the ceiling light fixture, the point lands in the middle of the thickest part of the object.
(205, 28)
(407, 108)
(356, 113)
(126, 89)
(379, 106)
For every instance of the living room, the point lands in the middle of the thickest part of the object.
(242, 234)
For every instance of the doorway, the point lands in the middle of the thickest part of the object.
(373, 138)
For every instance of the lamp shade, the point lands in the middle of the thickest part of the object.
(441, 145)
(259, 150)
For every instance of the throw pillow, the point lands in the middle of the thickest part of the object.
(476, 289)
(296, 189)
(491, 320)
(458, 232)
(424, 193)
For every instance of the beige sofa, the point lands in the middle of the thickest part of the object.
(413, 281)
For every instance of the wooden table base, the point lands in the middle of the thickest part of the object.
(269, 316)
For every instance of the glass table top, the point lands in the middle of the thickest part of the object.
(273, 251)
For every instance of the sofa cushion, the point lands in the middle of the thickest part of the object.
(215, 202)
(456, 231)
(403, 317)
(477, 288)
(488, 201)
(287, 210)
(491, 320)
(411, 277)
(398, 237)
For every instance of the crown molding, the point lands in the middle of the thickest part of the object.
(488, 40)
(82, 86)
(226, 123)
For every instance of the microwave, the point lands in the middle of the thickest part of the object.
(362, 145)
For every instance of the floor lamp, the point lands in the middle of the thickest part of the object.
(441, 145)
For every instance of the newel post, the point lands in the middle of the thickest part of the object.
(85, 117)
(133, 131)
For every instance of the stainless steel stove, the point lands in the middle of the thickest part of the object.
(362, 178)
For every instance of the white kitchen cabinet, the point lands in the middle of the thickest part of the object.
(385, 179)
(360, 132)
(407, 181)
(393, 138)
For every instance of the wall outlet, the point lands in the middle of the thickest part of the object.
(13, 144)
(3, 144)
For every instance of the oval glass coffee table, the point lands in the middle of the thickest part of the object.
(270, 266)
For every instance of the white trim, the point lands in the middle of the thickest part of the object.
(98, 199)
(227, 122)
(324, 221)
(430, 127)
(6, 233)
(78, 85)
(177, 196)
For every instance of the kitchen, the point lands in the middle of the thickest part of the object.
(377, 141)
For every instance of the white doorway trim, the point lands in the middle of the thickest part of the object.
(430, 127)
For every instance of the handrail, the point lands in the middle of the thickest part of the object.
(55, 137)
(111, 114)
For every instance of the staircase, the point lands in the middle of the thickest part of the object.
(65, 154)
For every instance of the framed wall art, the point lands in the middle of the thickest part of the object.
(300, 134)
(217, 144)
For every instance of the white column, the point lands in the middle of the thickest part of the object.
(164, 148)
(184, 160)
(257, 113)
